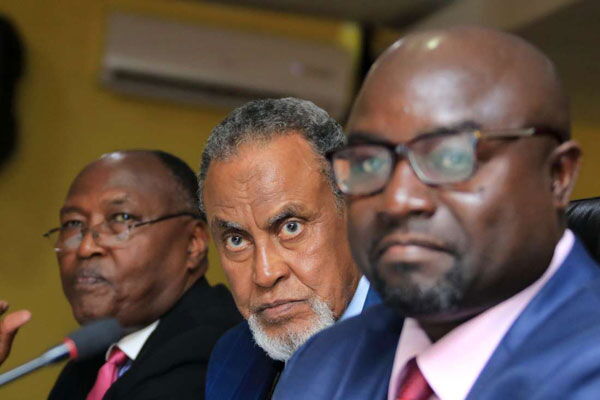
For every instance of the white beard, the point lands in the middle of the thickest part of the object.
(283, 346)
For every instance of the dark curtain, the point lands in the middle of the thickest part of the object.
(11, 68)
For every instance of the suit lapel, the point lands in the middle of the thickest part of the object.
(257, 380)
(77, 379)
(244, 369)
(365, 375)
(372, 299)
(572, 275)
(173, 322)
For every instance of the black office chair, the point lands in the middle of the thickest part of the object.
(583, 218)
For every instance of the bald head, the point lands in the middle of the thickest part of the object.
(168, 171)
(461, 217)
(467, 74)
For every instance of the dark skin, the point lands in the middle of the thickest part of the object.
(9, 326)
(140, 281)
(467, 246)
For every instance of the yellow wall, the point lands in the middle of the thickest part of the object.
(67, 120)
(569, 37)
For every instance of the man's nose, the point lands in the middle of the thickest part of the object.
(269, 265)
(89, 245)
(406, 195)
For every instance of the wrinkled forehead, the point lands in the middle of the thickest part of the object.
(434, 82)
(263, 176)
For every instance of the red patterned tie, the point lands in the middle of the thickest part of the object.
(107, 374)
(414, 386)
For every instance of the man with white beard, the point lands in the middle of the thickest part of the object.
(279, 225)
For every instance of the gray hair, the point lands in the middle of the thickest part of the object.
(263, 120)
(283, 346)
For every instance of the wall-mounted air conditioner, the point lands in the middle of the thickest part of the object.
(220, 66)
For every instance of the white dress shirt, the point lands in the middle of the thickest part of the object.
(357, 303)
(132, 344)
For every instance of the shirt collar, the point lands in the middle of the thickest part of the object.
(133, 343)
(473, 342)
(358, 300)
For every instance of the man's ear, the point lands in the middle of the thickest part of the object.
(198, 247)
(565, 161)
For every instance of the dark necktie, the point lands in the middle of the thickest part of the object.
(414, 386)
(278, 367)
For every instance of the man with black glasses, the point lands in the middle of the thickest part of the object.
(132, 245)
(457, 174)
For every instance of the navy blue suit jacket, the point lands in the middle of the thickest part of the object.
(239, 369)
(552, 350)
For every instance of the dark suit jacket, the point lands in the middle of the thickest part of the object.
(239, 369)
(552, 351)
(172, 363)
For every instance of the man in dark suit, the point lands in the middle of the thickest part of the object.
(279, 225)
(458, 172)
(132, 245)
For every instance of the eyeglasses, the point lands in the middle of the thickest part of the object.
(436, 158)
(111, 233)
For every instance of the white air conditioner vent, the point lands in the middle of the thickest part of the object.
(209, 65)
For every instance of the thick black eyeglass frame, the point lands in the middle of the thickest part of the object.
(141, 223)
(401, 150)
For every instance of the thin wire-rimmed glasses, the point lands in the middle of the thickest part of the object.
(436, 158)
(106, 234)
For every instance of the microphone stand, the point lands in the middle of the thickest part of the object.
(83, 343)
(55, 354)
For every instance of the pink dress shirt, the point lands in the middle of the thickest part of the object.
(453, 363)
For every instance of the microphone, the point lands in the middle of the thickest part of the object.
(85, 342)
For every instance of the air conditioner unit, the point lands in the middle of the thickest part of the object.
(220, 66)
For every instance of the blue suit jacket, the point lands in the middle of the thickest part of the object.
(552, 351)
(239, 369)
